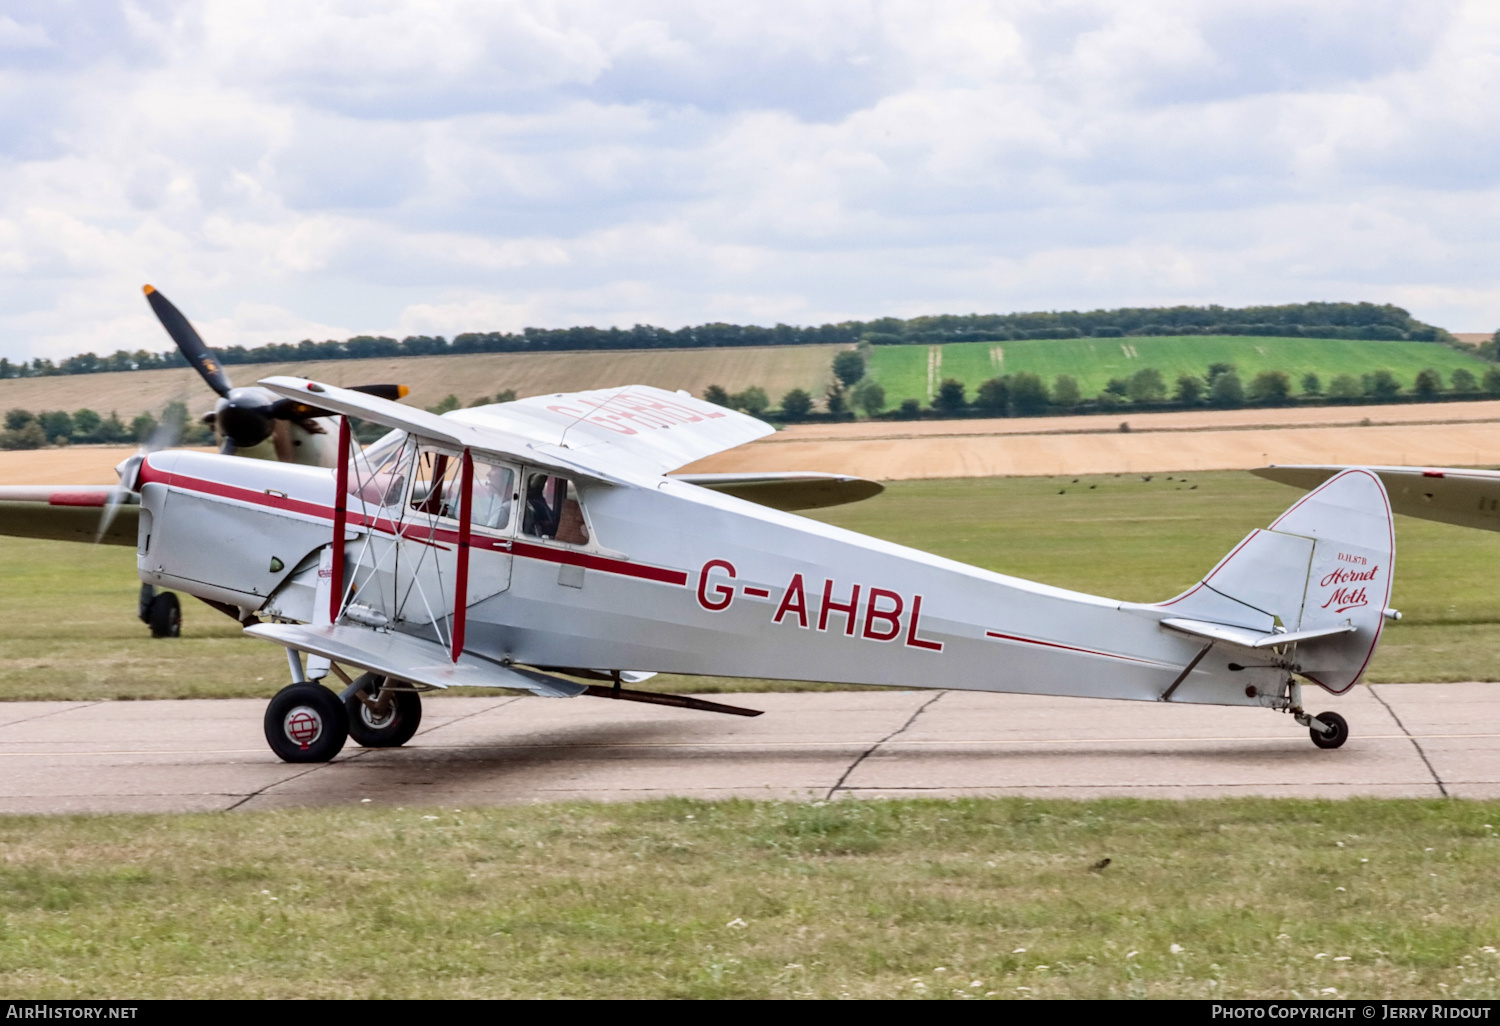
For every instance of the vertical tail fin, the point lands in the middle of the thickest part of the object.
(1325, 563)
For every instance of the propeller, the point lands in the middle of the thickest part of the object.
(245, 417)
(164, 437)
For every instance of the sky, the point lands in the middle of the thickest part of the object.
(320, 169)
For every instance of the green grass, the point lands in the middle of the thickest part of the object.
(71, 632)
(985, 898)
(902, 370)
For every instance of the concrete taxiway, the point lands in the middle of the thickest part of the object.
(1408, 740)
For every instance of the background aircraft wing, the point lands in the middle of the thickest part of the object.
(633, 429)
(788, 491)
(1468, 498)
(66, 513)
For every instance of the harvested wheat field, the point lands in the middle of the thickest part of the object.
(1456, 434)
(777, 369)
(1453, 434)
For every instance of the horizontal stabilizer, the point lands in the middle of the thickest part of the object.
(1250, 638)
(411, 659)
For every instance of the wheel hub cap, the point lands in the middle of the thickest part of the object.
(303, 725)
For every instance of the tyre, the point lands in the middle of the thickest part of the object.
(306, 723)
(165, 616)
(391, 730)
(1336, 736)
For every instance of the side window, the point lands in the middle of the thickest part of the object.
(493, 495)
(437, 484)
(434, 483)
(552, 510)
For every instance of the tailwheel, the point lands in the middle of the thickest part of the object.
(380, 716)
(306, 723)
(1337, 733)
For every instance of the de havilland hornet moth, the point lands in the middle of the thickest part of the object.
(526, 543)
(544, 542)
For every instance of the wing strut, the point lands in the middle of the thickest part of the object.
(340, 519)
(461, 576)
(1166, 696)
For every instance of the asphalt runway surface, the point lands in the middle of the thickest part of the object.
(1407, 740)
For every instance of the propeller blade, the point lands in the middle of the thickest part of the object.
(164, 437)
(188, 343)
(292, 409)
(391, 392)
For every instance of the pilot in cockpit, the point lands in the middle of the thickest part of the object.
(492, 497)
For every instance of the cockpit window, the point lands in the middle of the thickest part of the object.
(436, 485)
(552, 510)
(493, 495)
(435, 482)
(377, 474)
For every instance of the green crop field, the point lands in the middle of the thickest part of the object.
(71, 633)
(903, 370)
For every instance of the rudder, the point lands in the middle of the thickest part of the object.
(1323, 567)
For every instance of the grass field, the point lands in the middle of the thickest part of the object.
(903, 370)
(932, 899)
(70, 630)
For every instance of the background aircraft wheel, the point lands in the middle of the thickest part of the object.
(306, 723)
(395, 727)
(1335, 737)
(165, 616)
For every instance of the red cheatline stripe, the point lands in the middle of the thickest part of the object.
(417, 532)
(592, 562)
(1070, 648)
(76, 499)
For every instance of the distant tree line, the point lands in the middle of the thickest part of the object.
(1312, 320)
(27, 430)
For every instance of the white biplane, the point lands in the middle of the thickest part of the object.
(528, 544)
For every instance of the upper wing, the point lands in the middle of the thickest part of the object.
(1468, 498)
(788, 491)
(66, 513)
(634, 429)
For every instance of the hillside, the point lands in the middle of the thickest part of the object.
(777, 369)
(911, 371)
(905, 371)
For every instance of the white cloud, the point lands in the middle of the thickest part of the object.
(320, 169)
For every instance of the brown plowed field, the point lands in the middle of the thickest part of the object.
(1453, 434)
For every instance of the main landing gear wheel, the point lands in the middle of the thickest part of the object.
(388, 727)
(164, 614)
(306, 723)
(1338, 731)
